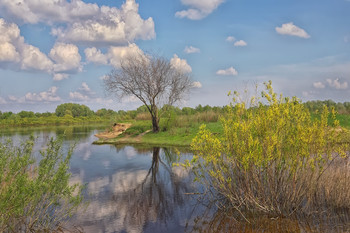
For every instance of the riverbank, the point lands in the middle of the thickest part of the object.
(140, 133)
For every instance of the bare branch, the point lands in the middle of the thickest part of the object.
(151, 79)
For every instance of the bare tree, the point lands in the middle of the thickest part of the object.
(152, 79)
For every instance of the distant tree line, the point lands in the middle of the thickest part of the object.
(317, 106)
(71, 113)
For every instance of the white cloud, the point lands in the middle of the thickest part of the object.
(230, 71)
(48, 11)
(198, 9)
(12, 98)
(78, 96)
(230, 39)
(336, 84)
(319, 85)
(103, 77)
(180, 64)
(191, 49)
(109, 25)
(60, 76)
(196, 84)
(14, 51)
(85, 87)
(83, 22)
(67, 57)
(292, 30)
(45, 96)
(240, 43)
(95, 55)
(33, 58)
(8, 53)
(84, 93)
(114, 55)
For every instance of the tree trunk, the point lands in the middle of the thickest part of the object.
(155, 119)
(155, 123)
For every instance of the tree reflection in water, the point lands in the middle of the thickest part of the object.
(143, 200)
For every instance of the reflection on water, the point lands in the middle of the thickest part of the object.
(233, 222)
(136, 189)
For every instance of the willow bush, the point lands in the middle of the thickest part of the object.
(272, 157)
(35, 195)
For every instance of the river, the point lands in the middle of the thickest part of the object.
(136, 189)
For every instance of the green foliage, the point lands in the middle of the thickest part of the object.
(35, 196)
(317, 106)
(138, 127)
(270, 156)
(75, 110)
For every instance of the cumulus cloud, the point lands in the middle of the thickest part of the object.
(198, 9)
(319, 85)
(240, 43)
(230, 39)
(196, 84)
(291, 30)
(180, 64)
(33, 58)
(48, 11)
(114, 55)
(84, 93)
(95, 55)
(83, 22)
(85, 87)
(109, 25)
(228, 72)
(336, 84)
(18, 55)
(14, 51)
(66, 56)
(8, 53)
(45, 96)
(78, 96)
(191, 49)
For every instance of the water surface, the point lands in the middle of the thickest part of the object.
(136, 189)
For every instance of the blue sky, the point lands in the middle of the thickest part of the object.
(57, 51)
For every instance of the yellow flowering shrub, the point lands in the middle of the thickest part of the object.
(271, 155)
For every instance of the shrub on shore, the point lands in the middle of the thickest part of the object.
(273, 158)
(35, 195)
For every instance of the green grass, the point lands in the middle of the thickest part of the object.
(175, 136)
(344, 120)
(179, 136)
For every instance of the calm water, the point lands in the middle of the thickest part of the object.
(129, 189)
(135, 189)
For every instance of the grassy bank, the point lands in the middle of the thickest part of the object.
(181, 131)
(139, 133)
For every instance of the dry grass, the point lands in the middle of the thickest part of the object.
(143, 116)
(202, 117)
(278, 192)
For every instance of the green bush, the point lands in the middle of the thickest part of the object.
(35, 195)
(272, 158)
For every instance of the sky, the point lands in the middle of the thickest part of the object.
(59, 51)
